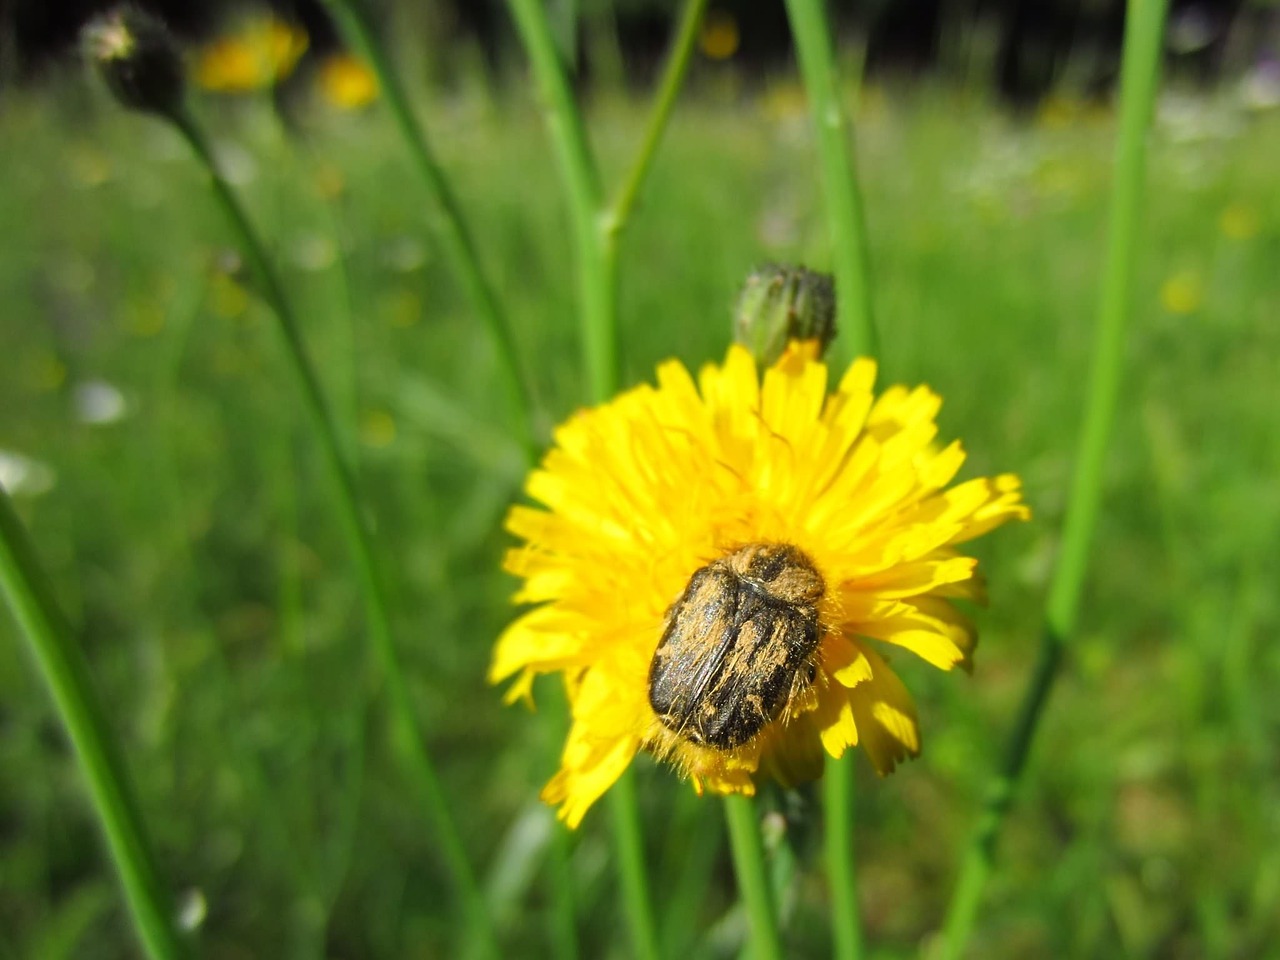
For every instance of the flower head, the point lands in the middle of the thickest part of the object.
(138, 58)
(263, 52)
(720, 567)
(347, 83)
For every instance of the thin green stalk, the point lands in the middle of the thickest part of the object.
(845, 219)
(452, 226)
(408, 738)
(753, 878)
(629, 849)
(596, 235)
(31, 598)
(837, 788)
(1139, 76)
(847, 227)
(597, 258)
(564, 921)
(672, 80)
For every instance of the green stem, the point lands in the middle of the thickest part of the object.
(31, 598)
(564, 922)
(753, 878)
(837, 789)
(1140, 69)
(672, 80)
(596, 250)
(839, 175)
(452, 227)
(596, 236)
(407, 737)
(629, 849)
(847, 227)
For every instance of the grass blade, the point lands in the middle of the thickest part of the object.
(1140, 66)
(30, 597)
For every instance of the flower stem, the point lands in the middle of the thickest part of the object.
(629, 848)
(837, 787)
(839, 175)
(753, 878)
(597, 257)
(1140, 68)
(564, 922)
(31, 598)
(672, 80)
(847, 226)
(407, 737)
(452, 227)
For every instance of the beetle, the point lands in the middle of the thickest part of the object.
(737, 645)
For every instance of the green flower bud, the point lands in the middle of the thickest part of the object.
(781, 303)
(139, 60)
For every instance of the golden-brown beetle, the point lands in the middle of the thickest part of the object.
(737, 645)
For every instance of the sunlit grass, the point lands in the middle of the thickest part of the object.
(195, 529)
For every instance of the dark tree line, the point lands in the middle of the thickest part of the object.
(1034, 39)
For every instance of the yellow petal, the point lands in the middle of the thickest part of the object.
(842, 660)
(886, 717)
(913, 579)
(835, 722)
(792, 753)
(933, 630)
(575, 788)
(544, 639)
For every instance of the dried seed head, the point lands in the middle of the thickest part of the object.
(780, 303)
(139, 60)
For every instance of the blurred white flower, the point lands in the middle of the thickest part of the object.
(21, 476)
(313, 252)
(98, 402)
(192, 909)
(1192, 28)
(1260, 88)
(1186, 118)
(405, 254)
(235, 163)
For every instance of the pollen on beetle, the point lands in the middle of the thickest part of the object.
(737, 645)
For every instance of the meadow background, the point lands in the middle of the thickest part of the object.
(154, 448)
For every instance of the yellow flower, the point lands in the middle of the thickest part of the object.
(664, 483)
(1183, 292)
(347, 83)
(261, 54)
(1239, 222)
(718, 37)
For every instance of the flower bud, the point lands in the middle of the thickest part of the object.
(139, 60)
(781, 303)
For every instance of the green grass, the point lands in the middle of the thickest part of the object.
(194, 540)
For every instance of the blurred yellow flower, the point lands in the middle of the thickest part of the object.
(227, 298)
(713, 560)
(718, 37)
(1183, 292)
(348, 83)
(48, 372)
(330, 183)
(259, 55)
(377, 429)
(1057, 112)
(784, 100)
(1239, 222)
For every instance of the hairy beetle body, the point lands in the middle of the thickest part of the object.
(736, 644)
